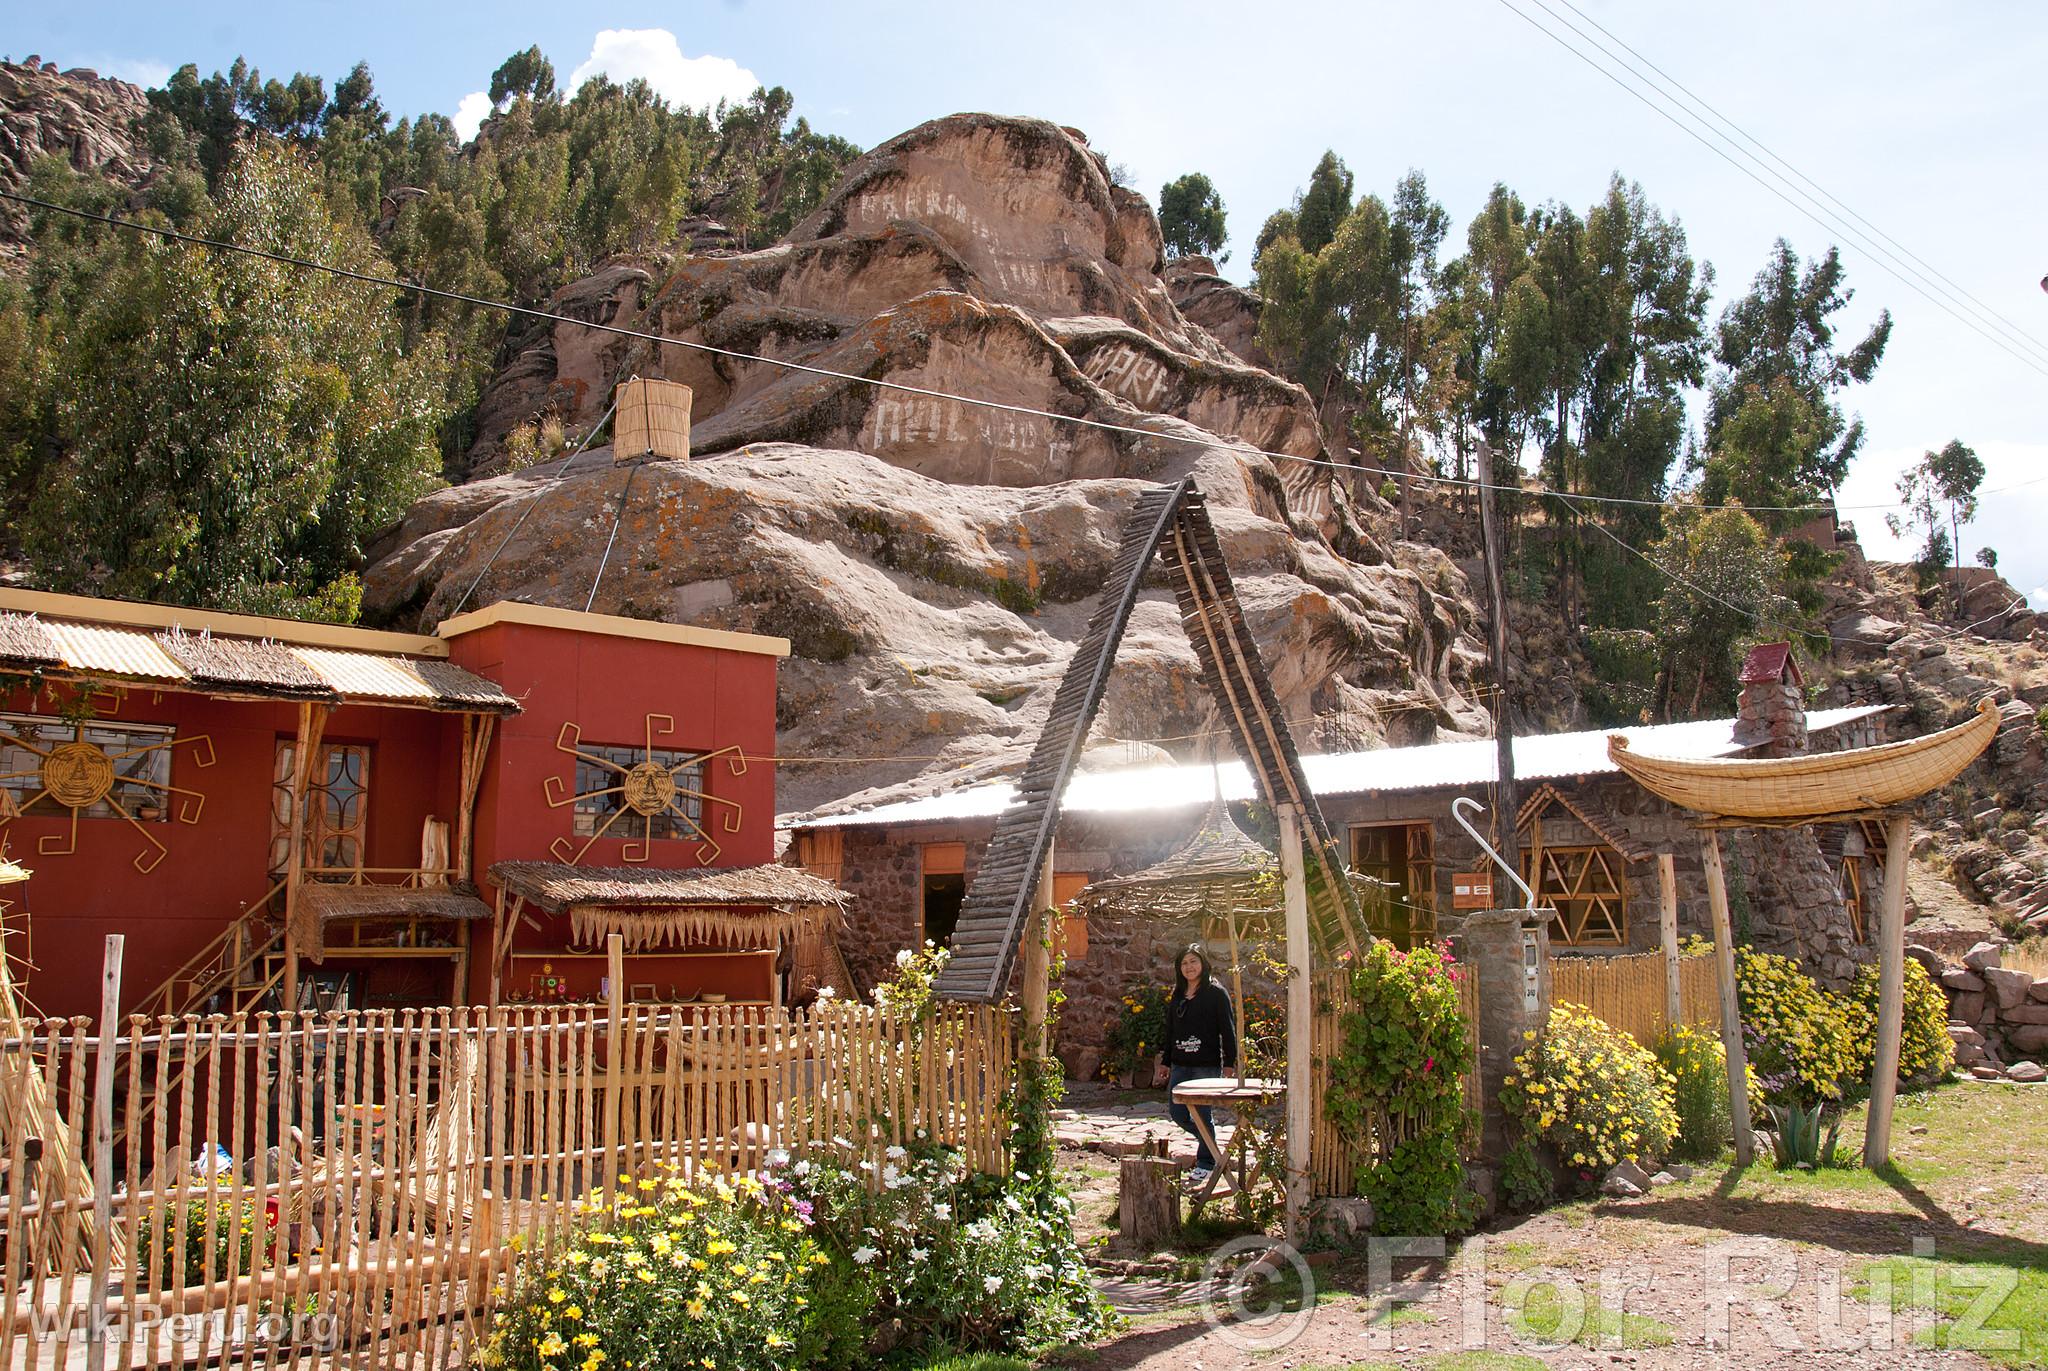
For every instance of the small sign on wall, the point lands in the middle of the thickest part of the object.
(1472, 890)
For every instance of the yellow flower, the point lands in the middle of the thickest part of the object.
(557, 1295)
(695, 1309)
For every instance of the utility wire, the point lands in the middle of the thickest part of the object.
(1104, 425)
(2013, 330)
(520, 522)
(1817, 214)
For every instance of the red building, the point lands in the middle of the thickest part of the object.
(483, 806)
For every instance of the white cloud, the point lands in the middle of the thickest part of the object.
(654, 56)
(470, 113)
(146, 72)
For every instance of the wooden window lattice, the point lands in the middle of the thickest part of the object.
(1586, 887)
(338, 806)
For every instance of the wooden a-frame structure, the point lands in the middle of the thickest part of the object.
(1007, 907)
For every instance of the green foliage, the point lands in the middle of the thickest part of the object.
(1940, 487)
(977, 1263)
(1139, 1032)
(1402, 1043)
(1798, 1140)
(1324, 206)
(1191, 216)
(235, 429)
(1798, 1037)
(1525, 1181)
(200, 1227)
(1697, 1067)
(1590, 1092)
(1724, 573)
(1926, 1052)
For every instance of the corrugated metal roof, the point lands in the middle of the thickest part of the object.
(266, 667)
(1433, 766)
(115, 651)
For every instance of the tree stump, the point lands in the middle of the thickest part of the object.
(1148, 1200)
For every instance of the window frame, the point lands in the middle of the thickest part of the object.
(159, 740)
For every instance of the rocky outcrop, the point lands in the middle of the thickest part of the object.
(934, 560)
(87, 119)
(1998, 1015)
(1229, 312)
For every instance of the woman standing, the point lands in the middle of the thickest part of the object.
(1200, 1040)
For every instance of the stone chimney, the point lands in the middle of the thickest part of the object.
(1771, 714)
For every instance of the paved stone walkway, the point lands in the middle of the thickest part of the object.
(1116, 1123)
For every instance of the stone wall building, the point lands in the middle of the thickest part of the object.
(1589, 838)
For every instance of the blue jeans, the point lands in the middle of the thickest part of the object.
(1183, 1116)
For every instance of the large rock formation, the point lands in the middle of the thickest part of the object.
(933, 560)
(88, 120)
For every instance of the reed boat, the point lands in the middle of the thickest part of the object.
(1827, 783)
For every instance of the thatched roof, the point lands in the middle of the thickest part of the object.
(25, 642)
(742, 907)
(1221, 869)
(320, 903)
(255, 663)
(555, 886)
(10, 873)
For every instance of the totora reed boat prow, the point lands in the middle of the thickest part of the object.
(1828, 783)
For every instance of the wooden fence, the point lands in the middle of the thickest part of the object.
(354, 1184)
(1629, 992)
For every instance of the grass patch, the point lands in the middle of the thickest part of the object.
(1995, 1308)
(1540, 1312)
(974, 1361)
(1484, 1361)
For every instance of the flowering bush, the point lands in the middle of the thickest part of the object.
(1590, 1092)
(1135, 1037)
(1925, 1049)
(971, 1261)
(907, 995)
(1797, 1035)
(233, 1241)
(1697, 1066)
(1395, 1076)
(662, 1273)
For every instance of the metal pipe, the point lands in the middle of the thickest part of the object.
(1458, 813)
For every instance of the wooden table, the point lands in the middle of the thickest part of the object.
(1244, 1099)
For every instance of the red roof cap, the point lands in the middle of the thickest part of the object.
(1771, 662)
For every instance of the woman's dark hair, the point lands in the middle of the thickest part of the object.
(1180, 984)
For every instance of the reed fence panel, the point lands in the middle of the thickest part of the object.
(1628, 992)
(296, 1187)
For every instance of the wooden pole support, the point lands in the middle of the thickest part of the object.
(615, 1045)
(1891, 993)
(103, 1154)
(1300, 1021)
(1667, 936)
(1038, 962)
(1731, 1008)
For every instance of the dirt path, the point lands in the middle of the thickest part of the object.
(1755, 1270)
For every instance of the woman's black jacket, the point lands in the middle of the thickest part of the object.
(1201, 1031)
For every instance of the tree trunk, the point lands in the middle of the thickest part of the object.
(1148, 1202)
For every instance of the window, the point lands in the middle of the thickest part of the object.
(601, 792)
(1404, 857)
(942, 885)
(1585, 886)
(140, 755)
(337, 803)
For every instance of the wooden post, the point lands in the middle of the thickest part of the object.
(497, 946)
(1667, 935)
(103, 1156)
(1891, 993)
(305, 749)
(1731, 1009)
(1300, 1020)
(1493, 544)
(614, 1048)
(1038, 963)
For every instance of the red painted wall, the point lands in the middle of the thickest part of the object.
(216, 867)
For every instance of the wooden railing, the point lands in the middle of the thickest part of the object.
(389, 1165)
(225, 962)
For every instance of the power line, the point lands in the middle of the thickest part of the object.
(642, 335)
(2013, 330)
(1817, 214)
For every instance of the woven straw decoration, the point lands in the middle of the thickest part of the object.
(653, 420)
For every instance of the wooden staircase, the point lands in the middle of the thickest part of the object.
(238, 972)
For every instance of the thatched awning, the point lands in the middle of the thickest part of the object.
(320, 904)
(10, 873)
(255, 664)
(751, 907)
(25, 642)
(1220, 870)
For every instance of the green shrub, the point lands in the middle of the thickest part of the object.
(1798, 1038)
(233, 1240)
(1591, 1092)
(1135, 1037)
(1926, 1052)
(1698, 1068)
(1402, 1045)
(1525, 1182)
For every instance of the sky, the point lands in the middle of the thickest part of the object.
(1924, 120)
